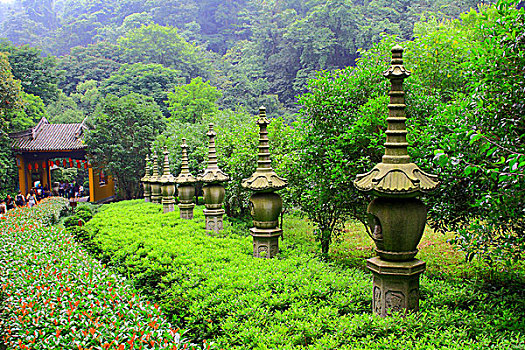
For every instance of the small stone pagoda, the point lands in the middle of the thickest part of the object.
(266, 205)
(167, 183)
(396, 217)
(186, 188)
(154, 181)
(213, 177)
(146, 181)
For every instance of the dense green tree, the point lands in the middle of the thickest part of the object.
(123, 132)
(163, 45)
(88, 96)
(192, 102)
(37, 74)
(64, 110)
(31, 110)
(338, 137)
(151, 79)
(92, 62)
(10, 101)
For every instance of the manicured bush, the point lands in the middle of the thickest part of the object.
(55, 296)
(212, 286)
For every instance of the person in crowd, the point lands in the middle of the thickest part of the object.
(67, 190)
(3, 208)
(9, 202)
(31, 198)
(46, 192)
(38, 192)
(20, 200)
(75, 190)
(80, 191)
(61, 189)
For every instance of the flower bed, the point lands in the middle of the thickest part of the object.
(54, 295)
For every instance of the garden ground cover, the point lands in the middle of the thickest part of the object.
(213, 287)
(54, 295)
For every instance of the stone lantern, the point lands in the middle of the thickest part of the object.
(265, 204)
(167, 183)
(146, 182)
(213, 177)
(154, 181)
(186, 188)
(396, 217)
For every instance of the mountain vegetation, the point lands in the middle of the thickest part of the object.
(172, 67)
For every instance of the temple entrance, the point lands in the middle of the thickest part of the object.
(54, 155)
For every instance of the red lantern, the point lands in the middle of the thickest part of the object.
(85, 165)
(29, 167)
(78, 164)
(36, 166)
(64, 163)
(44, 164)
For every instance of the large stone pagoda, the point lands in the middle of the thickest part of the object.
(397, 217)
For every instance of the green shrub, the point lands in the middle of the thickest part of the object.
(215, 288)
(72, 221)
(85, 215)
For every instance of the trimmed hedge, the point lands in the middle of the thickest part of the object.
(55, 296)
(212, 286)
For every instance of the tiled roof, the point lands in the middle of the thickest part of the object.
(49, 137)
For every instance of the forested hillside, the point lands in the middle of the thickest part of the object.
(255, 52)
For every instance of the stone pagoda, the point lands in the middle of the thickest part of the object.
(186, 188)
(213, 177)
(146, 181)
(167, 183)
(154, 181)
(266, 205)
(396, 217)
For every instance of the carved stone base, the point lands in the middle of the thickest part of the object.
(395, 285)
(186, 211)
(213, 220)
(168, 205)
(265, 242)
(156, 199)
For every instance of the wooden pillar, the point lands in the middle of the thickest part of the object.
(91, 184)
(45, 172)
(22, 173)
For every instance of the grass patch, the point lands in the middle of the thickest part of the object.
(212, 286)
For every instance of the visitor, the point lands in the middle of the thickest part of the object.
(46, 193)
(20, 200)
(80, 191)
(3, 208)
(39, 192)
(9, 202)
(31, 199)
(61, 189)
(67, 190)
(75, 190)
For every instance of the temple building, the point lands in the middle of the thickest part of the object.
(46, 146)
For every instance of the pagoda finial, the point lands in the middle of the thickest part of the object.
(185, 176)
(166, 170)
(147, 168)
(155, 165)
(264, 177)
(396, 175)
(212, 173)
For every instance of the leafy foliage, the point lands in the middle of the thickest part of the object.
(192, 102)
(124, 129)
(213, 285)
